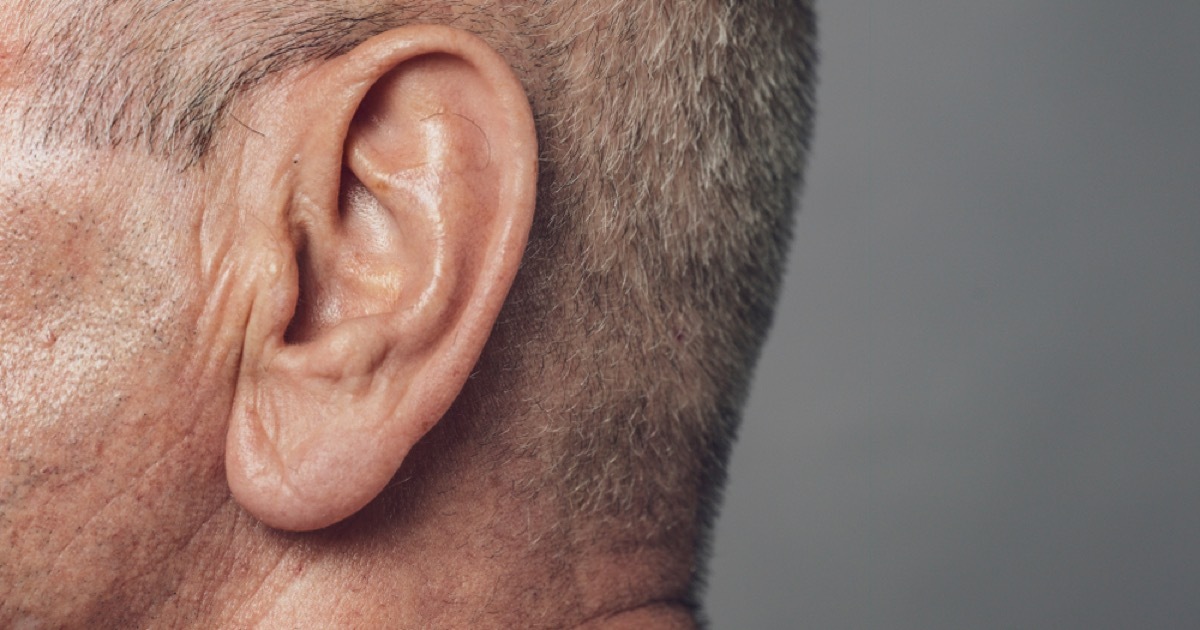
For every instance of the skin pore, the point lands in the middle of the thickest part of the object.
(121, 298)
(338, 316)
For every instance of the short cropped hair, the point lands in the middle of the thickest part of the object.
(673, 137)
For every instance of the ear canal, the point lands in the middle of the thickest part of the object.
(368, 263)
(388, 245)
(413, 201)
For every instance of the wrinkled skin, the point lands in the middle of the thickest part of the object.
(126, 286)
(107, 397)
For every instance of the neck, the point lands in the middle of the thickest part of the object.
(484, 562)
(454, 544)
(303, 589)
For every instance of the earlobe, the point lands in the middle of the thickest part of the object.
(408, 222)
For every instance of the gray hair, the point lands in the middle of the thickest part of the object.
(673, 137)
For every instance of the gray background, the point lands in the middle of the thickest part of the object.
(980, 404)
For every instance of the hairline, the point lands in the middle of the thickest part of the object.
(182, 124)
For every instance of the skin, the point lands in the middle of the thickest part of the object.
(209, 379)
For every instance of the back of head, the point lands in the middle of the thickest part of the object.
(589, 439)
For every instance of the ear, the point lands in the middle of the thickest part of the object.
(412, 189)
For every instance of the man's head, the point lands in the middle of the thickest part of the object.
(473, 288)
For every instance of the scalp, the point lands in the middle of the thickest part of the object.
(673, 137)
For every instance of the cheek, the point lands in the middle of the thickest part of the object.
(90, 316)
(83, 306)
(101, 410)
